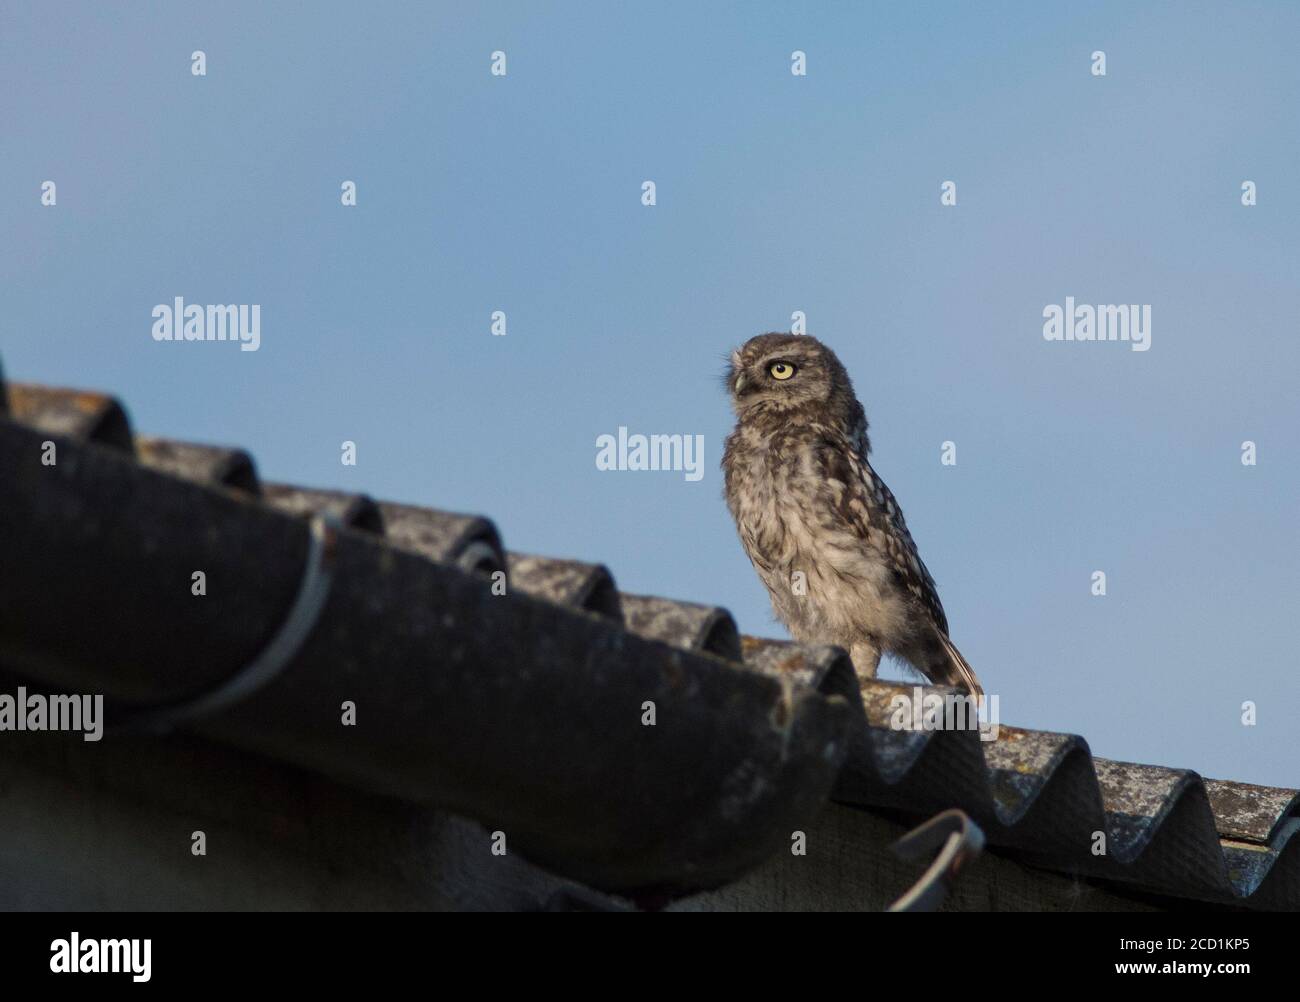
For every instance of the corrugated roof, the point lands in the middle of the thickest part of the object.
(525, 710)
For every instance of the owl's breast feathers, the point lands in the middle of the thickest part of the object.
(862, 501)
(806, 491)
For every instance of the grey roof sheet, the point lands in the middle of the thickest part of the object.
(524, 710)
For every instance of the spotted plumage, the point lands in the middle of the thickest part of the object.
(823, 531)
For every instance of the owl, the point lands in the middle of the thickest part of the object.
(821, 528)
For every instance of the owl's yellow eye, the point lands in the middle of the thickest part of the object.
(781, 370)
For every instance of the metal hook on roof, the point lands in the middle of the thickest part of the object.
(958, 839)
(313, 589)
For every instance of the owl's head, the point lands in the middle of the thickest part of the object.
(790, 375)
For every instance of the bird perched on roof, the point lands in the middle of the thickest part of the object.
(819, 525)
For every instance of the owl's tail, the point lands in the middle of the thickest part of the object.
(958, 671)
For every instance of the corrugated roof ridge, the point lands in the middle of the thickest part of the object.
(1037, 791)
(1045, 794)
(472, 735)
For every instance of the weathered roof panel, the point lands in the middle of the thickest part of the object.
(632, 742)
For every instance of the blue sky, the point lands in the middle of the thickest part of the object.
(775, 193)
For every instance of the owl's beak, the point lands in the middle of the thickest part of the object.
(740, 384)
